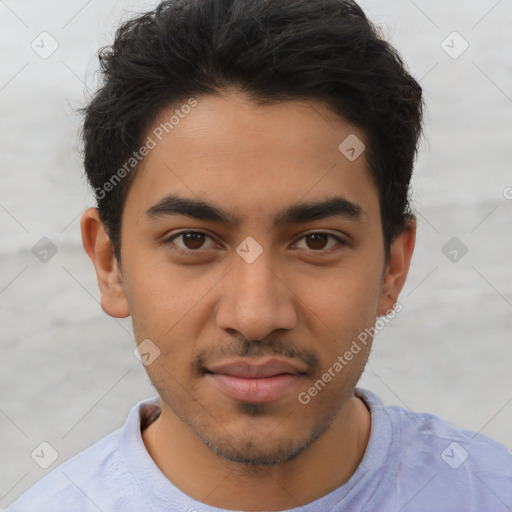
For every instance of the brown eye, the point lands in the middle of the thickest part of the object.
(191, 241)
(317, 242)
(194, 242)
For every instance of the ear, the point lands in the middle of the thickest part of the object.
(397, 268)
(98, 246)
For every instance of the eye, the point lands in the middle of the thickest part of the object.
(315, 242)
(193, 241)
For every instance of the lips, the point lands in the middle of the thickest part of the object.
(250, 371)
(256, 383)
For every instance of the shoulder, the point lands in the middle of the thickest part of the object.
(458, 446)
(417, 430)
(429, 455)
(75, 484)
(98, 478)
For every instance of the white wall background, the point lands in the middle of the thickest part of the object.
(67, 372)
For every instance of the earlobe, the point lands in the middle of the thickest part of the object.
(397, 268)
(98, 246)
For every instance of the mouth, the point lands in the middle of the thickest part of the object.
(246, 382)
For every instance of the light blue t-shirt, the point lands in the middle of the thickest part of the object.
(413, 462)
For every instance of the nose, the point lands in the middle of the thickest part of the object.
(256, 299)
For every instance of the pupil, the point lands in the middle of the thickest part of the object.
(317, 236)
(194, 238)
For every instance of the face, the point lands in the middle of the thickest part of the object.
(252, 300)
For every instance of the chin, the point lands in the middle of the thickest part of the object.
(258, 454)
(263, 449)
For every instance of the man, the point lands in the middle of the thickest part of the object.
(251, 162)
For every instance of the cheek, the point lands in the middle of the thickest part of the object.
(166, 308)
(345, 307)
(347, 297)
(157, 300)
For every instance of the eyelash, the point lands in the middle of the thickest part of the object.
(170, 240)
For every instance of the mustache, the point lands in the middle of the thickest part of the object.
(242, 347)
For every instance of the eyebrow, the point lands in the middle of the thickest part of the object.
(337, 206)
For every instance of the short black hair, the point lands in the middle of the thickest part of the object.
(272, 50)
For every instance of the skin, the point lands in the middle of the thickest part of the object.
(252, 161)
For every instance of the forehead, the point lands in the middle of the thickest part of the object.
(227, 150)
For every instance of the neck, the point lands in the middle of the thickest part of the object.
(323, 466)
